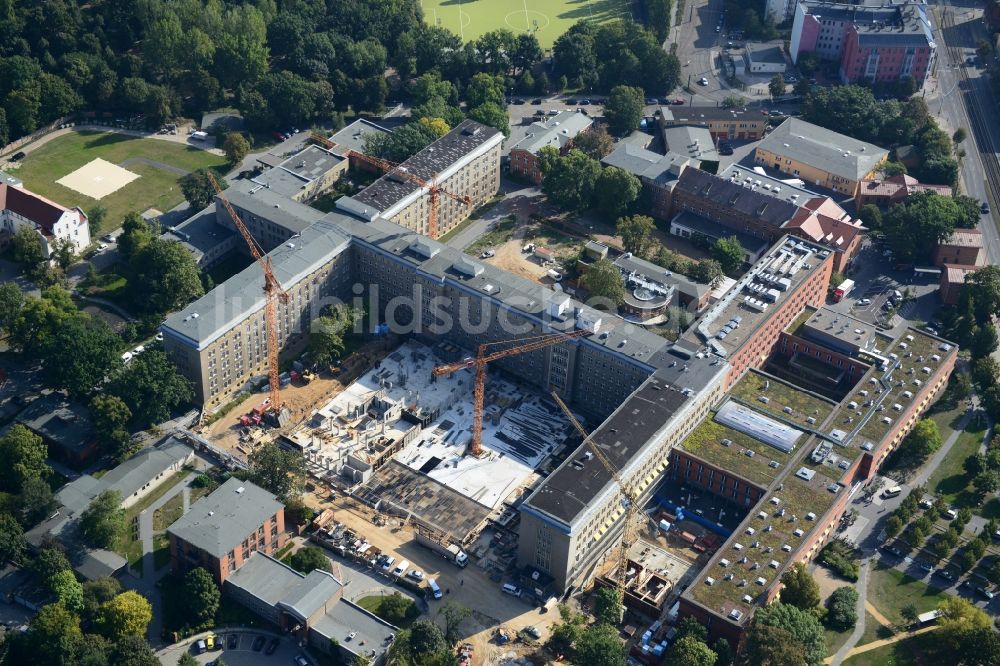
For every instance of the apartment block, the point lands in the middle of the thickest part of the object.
(465, 162)
(725, 124)
(555, 132)
(872, 41)
(224, 529)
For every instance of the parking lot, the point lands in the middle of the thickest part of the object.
(242, 652)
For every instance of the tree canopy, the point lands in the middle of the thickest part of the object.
(151, 386)
(623, 109)
(310, 557)
(636, 234)
(615, 191)
(570, 179)
(799, 588)
(276, 470)
(102, 524)
(799, 633)
(201, 597)
(604, 281)
(127, 614)
(914, 227)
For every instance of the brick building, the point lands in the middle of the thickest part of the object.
(872, 41)
(657, 173)
(727, 124)
(224, 529)
(963, 248)
(884, 193)
(555, 132)
(952, 279)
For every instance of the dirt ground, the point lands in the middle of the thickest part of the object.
(827, 581)
(301, 399)
(470, 587)
(510, 257)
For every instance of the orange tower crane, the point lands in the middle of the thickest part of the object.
(273, 292)
(431, 186)
(479, 363)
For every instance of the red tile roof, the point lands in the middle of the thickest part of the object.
(955, 274)
(29, 205)
(964, 238)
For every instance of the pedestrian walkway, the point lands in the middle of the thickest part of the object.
(859, 627)
(867, 647)
(883, 620)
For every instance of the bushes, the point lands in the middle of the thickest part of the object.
(842, 559)
(842, 609)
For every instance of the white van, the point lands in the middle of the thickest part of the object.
(435, 590)
(892, 492)
(512, 589)
(389, 561)
(401, 568)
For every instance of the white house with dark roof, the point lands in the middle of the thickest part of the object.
(20, 208)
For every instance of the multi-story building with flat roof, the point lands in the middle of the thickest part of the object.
(726, 124)
(224, 529)
(464, 162)
(820, 156)
(872, 41)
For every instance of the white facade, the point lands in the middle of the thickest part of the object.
(21, 208)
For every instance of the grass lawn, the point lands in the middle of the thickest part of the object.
(161, 551)
(873, 631)
(950, 479)
(154, 189)
(373, 604)
(502, 232)
(548, 19)
(132, 548)
(889, 590)
(907, 652)
(835, 639)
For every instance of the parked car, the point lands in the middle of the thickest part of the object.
(864, 301)
(199, 646)
(300, 660)
(650, 100)
(18, 156)
(518, 100)
(925, 566)
(108, 238)
(584, 102)
(552, 112)
(725, 148)
(951, 514)
(536, 101)
(415, 575)
(571, 101)
(533, 632)
(718, 28)
(986, 593)
(101, 247)
(985, 208)
(272, 646)
(351, 635)
(487, 254)
(679, 101)
(703, 81)
(258, 643)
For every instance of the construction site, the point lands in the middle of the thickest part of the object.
(399, 438)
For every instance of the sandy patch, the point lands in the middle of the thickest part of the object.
(97, 179)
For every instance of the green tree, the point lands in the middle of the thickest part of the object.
(49, 562)
(308, 558)
(615, 191)
(959, 135)
(608, 607)
(707, 271)
(242, 54)
(485, 89)
(734, 102)
(492, 115)
(570, 180)
(151, 386)
(623, 109)
(187, 660)
(542, 84)
(604, 282)
(871, 216)
(913, 228)
(426, 638)
(394, 607)
(923, 440)
(799, 588)
(54, 634)
(236, 147)
(35, 502)
(453, 615)
(12, 543)
(658, 15)
(724, 652)
(636, 234)
(803, 629)
(110, 416)
(39, 318)
(198, 189)
(166, 277)
(98, 592)
(80, 355)
(201, 597)
(729, 253)
(67, 589)
(689, 651)
(102, 524)
(24, 454)
(27, 246)
(909, 613)
(986, 482)
(276, 470)
(326, 336)
(11, 303)
(600, 646)
(63, 252)
(689, 626)
(128, 614)
(842, 613)
(402, 143)
(595, 142)
(136, 235)
(776, 86)
(893, 526)
(134, 650)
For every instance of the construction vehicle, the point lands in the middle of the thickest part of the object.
(479, 364)
(439, 544)
(307, 376)
(250, 419)
(273, 293)
(433, 189)
(630, 501)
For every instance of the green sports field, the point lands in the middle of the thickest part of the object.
(548, 19)
(155, 187)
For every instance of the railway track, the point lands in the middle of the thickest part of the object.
(973, 106)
